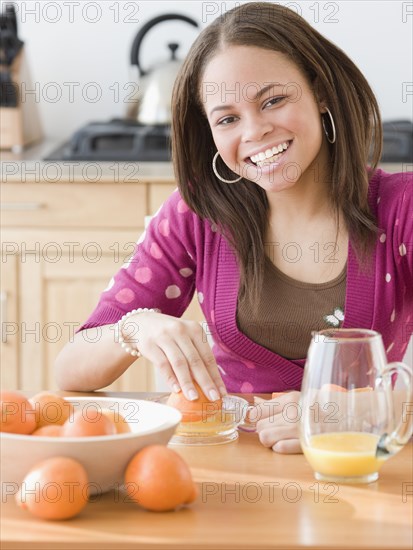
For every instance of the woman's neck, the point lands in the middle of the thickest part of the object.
(306, 202)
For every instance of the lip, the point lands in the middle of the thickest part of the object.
(264, 148)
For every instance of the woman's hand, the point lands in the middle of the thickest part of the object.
(278, 423)
(179, 349)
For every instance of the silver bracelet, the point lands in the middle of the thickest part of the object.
(119, 326)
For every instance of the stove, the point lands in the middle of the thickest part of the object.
(116, 140)
(127, 140)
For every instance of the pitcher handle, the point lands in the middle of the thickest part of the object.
(391, 443)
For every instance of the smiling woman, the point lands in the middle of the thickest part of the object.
(265, 78)
(273, 131)
(281, 223)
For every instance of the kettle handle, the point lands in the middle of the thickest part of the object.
(146, 27)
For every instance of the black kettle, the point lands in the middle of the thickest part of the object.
(153, 106)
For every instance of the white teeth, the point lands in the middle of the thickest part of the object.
(269, 153)
(272, 159)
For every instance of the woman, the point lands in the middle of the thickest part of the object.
(277, 224)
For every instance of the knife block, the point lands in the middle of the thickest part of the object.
(20, 126)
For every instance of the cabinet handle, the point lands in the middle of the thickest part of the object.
(22, 205)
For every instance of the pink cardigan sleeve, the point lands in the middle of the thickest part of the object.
(161, 272)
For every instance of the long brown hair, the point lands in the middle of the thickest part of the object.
(241, 210)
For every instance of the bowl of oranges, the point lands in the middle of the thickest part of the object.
(101, 433)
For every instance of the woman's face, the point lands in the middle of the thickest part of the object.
(265, 121)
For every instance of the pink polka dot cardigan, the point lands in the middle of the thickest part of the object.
(180, 254)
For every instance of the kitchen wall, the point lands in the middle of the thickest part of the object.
(78, 51)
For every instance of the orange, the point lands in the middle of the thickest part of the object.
(17, 414)
(194, 411)
(56, 488)
(159, 479)
(51, 430)
(276, 394)
(333, 387)
(120, 423)
(51, 409)
(88, 423)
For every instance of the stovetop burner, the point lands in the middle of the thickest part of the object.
(116, 140)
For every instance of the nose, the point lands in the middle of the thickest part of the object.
(255, 128)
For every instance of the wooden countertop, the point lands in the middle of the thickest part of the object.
(249, 498)
(29, 167)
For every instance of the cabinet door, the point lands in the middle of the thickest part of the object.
(67, 301)
(9, 322)
(59, 285)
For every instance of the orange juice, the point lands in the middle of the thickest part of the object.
(343, 454)
(208, 425)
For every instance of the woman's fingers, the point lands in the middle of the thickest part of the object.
(180, 349)
(193, 343)
(162, 363)
(180, 365)
(280, 431)
(213, 381)
(206, 373)
(183, 363)
(280, 440)
(270, 434)
(285, 404)
(288, 446)
(198, 364)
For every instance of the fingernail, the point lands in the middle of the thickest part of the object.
(213, 394)
(176, 388)
(222, 390)
(192, 394)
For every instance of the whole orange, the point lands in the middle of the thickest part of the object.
(51, 430)
(159, 479)
(56, 488)
(119, 420)
(17, 414)
(51, 409)
(83, 424)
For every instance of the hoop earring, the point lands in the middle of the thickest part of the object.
(214, 168)
(332, 126)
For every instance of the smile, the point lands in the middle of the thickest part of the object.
(270, 155)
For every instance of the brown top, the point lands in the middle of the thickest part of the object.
(290, 310)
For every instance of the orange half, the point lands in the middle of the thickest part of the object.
(194, 411)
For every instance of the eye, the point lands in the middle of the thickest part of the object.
(273, 101)
(226, 120)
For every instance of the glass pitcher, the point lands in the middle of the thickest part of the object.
(356, 409)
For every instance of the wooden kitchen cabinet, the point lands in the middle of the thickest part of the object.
(61, 244)
(9, 321)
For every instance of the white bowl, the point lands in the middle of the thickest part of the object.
(104, 457)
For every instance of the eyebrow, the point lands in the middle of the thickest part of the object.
(258, 95)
